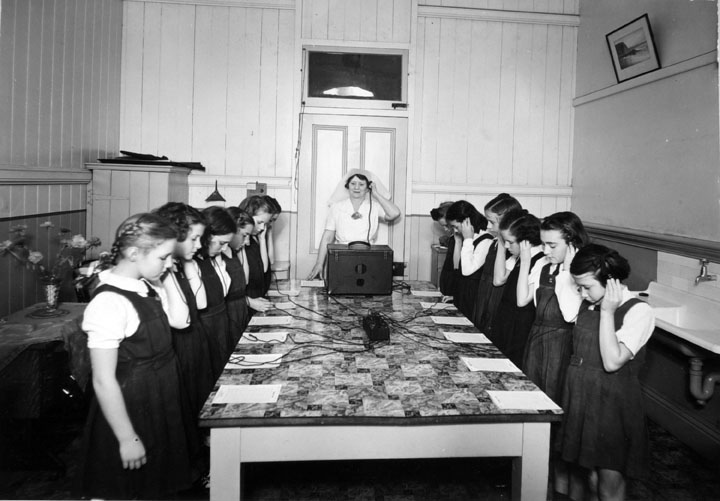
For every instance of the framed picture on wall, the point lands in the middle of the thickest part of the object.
(632, 49)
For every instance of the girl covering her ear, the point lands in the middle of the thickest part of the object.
(603, 434)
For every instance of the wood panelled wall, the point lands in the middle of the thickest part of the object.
(59, 103)
(491, 84)
(212, 84)
(59, 84)
(493, 108)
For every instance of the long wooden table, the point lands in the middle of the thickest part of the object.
(345, 398)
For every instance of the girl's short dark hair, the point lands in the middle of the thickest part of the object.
(181, 215)
(570, 227)
(256, 203)
(603, 262)
(219, 222)
(502, 204)
(522, 225)
(240, 217)
(273, 204)
(461, 210)
(440, 211)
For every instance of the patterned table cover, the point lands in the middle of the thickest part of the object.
(331, 374)
(21, 331)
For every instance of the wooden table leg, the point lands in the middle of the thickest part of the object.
(225, 464)
(530, 471)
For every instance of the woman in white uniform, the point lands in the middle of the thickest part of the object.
(356, 208)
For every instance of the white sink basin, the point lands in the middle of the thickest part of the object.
(690, 317)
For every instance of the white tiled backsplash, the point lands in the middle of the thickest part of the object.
(679, 272)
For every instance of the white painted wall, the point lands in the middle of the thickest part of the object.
(646, 152)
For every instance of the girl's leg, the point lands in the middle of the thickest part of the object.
(561, 478)
(578, 482)
(611, 485)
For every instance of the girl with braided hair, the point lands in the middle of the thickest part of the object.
(134, 444)
(603, 434)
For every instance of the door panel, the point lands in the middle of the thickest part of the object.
(335, 144)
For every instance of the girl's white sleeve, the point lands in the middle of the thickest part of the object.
(473, 257)
(638, 326)
(534, 277)
(569, 298)
(108, 319)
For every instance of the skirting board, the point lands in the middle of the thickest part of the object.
(697, 434)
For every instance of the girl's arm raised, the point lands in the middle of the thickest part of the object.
(112, 404)
(614, 353)
(192, 272)
(523, 290)
(177, 310)
(500, 272)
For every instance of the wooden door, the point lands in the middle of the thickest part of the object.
(333, 145)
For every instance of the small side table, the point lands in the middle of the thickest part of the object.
(29, 352)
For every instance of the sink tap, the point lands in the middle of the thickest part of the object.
(703, 276)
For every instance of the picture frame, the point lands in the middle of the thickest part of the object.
(632, 49)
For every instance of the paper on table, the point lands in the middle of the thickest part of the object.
(283, 293)
(248, 361)
(312, 283)
(465, 337)
(263, 337)
(257, 321)
(284, 305)
(522, 400)
(247, 394)
(437, 306)
(451, 320)
(426, 293)
(490, 364)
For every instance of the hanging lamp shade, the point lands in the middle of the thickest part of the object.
(215, 196)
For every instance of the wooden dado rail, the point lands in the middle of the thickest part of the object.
(684, 246)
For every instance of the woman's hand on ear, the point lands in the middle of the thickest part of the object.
(569, 255)
(613, 295)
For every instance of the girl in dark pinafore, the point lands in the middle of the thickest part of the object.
(489, 293)
(219, 231)
(449, 271)
(512, 323)
(551, 288)
(134, 444)
(189, 340)
(258, 261)
(236, 299)
(467, 222)
(603, 434)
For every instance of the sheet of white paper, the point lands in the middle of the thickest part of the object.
(490, 364)
(251, 361)
(247, 394)
(257, 321)
(263, 337)
(284, 305)
(282, 293)
(465, 337)
(437, 306)
(426, 293)
(522, 400)
(451, 320)
(312, 283)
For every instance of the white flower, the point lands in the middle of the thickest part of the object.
(78, 242)
(47, 224)
(5, 245)
(35, 257)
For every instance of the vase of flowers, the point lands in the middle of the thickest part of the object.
(71, 252)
